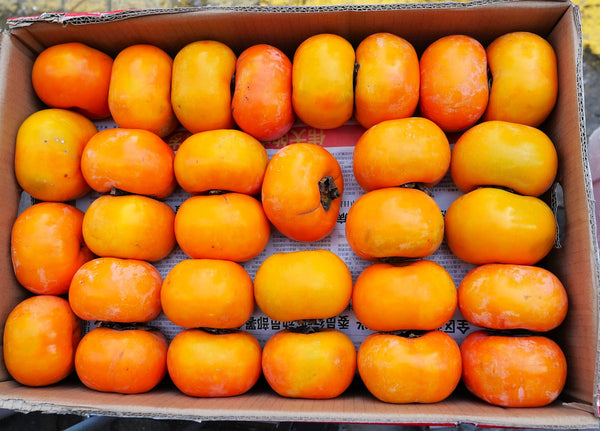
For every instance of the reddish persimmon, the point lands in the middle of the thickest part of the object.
(201, 86)
(322, 81)
(47, 247)
(401, 370)
(116, 290)
(454, 86)
(309, 284)
(208, 293)
(73, 75)
(513, 371)
(394, 222)
(231, 226)
(418, 295)
(506, 296)
(48, 153)
(317, 365)
(262, 100)
(139, 95)
(40, 337)
(129, 361)
(203, 364)
(387, 80)
(490, 225)
(224, 159)
(397, 152)
(129, 227)
(133, 160)
(301, 191)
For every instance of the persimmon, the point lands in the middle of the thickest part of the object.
(303, 285)
(133, 160)
(125, 361)
(394, 222)
(396, 152)
(116, 290)
(513, 371)
(230, 226)
(524, 86)
(210, 293)
(301, 191)
(387, 80)
(74, 76)
(400, 370)
(48, 152)
(500, 153)
(47, 247)
(129, 227)
(454, 87)
(508, 296)
(323, 81)
(40, 337)
(224, 159)
(315, 365)
(139, 95)
(205, 364)
(418, 295)
(262, 99)
(490, 225)
(201, 86)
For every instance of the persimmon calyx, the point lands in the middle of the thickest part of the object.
(328, 191)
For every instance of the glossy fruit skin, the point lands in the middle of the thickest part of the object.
(387, 80)
(401, 151)
(490, 225)
(513, 371)
(394, 222)
(116, 290)
(223, 159)
(48, 152)
(500, 153)
(130, 361)
(454, 87)
(47, 247)
(129, 227)
(524, 88)
(262, 100)
(507, 296)
(418, 295)
(290, 191)
(201, 86)
(301, 285)
(203, 364)
(322, 81)
(231, 226)
(133, 160)
(318, 365)
(73, 76)
(139, 95)
(208, 293)
(40, 337)
(401, 370)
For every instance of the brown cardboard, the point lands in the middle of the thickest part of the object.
(576, 263)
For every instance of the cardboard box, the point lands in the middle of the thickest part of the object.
(576, 262)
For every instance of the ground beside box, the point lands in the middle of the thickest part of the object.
(575, 263)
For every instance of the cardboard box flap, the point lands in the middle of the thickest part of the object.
(265, 405)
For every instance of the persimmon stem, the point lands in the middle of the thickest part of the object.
(328, 191)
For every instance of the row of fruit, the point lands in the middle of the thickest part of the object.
(144, 88)
(60, 155)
